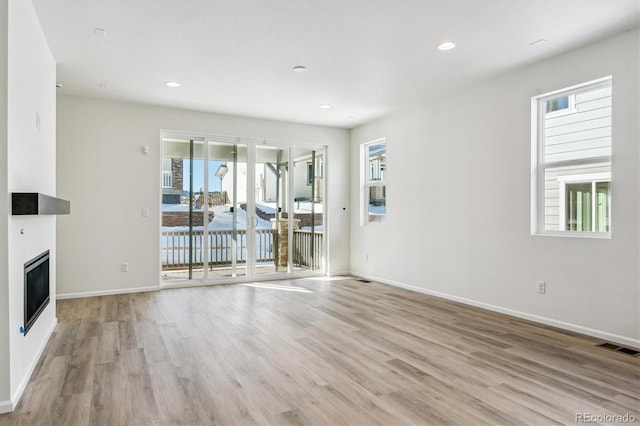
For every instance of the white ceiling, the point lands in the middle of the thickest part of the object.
(366, 58)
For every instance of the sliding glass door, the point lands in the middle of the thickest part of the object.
(307, 209)
(271, 210)
(218, 226)
(227, 230)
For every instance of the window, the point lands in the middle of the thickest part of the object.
(585, 202)
(374, 162)
(571, 161)
(560, 105)
(309, 174)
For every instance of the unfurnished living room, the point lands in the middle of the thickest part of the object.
(336, 212)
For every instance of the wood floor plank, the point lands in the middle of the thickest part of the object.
(314, 352)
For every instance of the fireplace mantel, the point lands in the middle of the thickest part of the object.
(34, 203)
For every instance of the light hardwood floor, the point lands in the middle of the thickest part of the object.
(315, 352)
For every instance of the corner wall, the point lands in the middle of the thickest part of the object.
(102, 170)
(458, 203)
(5, 376)
(31, 150)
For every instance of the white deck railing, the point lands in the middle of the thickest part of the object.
(175, 248)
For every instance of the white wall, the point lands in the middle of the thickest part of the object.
(5, 386)
(30, 168)
(102, 171)
(458, 201)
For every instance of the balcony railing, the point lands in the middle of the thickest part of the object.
(307, 248)
(167, 179)
(175, 248)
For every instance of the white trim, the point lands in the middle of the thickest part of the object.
(6, 406)
(538, 165)
(64, 296)
(575, 234)
(242, 280)
(591, 178)
(574, 89)
(600, 334)
(11, 404)
(535, 172)
(587, 177)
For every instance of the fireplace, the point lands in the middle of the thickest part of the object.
(36, 288)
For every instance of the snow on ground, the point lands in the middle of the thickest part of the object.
(381, 209)
(222, 218)
(299, 207)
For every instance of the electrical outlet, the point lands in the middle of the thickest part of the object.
(124, 267)
(542, 287)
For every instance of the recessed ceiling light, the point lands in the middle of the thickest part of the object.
(172, 83)
(447, 45)
(325, 106)
(299, 68)
(100, 32)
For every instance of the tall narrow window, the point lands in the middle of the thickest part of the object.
(374, 161)
(572, 160)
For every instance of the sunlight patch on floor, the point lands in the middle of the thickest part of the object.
(278, 287)
(333, 278)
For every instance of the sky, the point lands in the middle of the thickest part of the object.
(198, 175)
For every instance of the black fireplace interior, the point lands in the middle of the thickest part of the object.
(36, 288)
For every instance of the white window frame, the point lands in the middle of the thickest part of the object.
(569, 110)
(538, 166)
(367, 184)
(593, 179)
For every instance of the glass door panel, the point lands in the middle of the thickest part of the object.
(271, 217)
(308, 193)
(184, 212)
(228, 210)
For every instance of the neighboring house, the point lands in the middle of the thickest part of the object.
(306, 177)
(172, 179)
(377, 158)
(266, 181)
(577, 135)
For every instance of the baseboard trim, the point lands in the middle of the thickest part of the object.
(106, 292)
(600, 334)
(6, 406)
(11, 405)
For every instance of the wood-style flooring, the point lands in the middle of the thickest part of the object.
(315, 352)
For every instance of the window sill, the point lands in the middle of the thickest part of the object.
(570, 234)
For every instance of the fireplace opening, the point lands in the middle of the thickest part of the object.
(36, 288)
